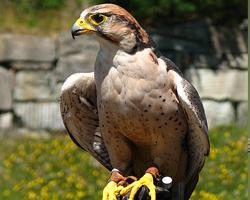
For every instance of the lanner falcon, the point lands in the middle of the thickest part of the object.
(136, 114)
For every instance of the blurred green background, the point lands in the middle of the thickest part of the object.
(55, 168)
(48, 16)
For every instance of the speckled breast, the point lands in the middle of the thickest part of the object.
(143, 112)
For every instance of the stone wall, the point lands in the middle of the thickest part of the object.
(33, 68)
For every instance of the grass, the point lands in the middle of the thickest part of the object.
(225, 173)
(54, 168)
(24, 17)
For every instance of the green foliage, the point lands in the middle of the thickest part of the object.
(35, 4)
(55, 168)
(225, 173)
(35, 15)
(48, 169)
(55, 15)
(162, 11)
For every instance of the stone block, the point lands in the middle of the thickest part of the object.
(213, 61)
(42, 115)
(6, 120)
(185, 61)
(23, 65)
(66, 45)
(219, 113)
(237, 61)
(34, 85)
(57, 90)
(242, 114)
(200, 37)
(26, 48)
(231, 39)
(82, 62)
(190, 37)
(74, 56)
(201, 44)
(220, 84)
(6, 87)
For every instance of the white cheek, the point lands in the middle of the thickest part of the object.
(128, 42)
(83, 14)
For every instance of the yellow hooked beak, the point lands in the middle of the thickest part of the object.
(81, 27)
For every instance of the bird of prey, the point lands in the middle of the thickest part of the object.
(136, 113)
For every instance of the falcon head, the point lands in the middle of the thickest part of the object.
(112, 23)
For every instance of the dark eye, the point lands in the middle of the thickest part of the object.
(98, 18)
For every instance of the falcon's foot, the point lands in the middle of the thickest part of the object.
(111, 191)
(147, 180)
(116, 184)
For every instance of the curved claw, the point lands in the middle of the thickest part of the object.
(146, 180)
(111, 191)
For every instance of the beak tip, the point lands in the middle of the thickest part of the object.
(77, 30)
(74, 30)
(73, 36)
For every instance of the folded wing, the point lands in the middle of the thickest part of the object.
(197, 140)
(80, 115)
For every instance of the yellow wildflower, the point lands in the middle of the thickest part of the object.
(80, 194)
(31, 195)
(6, 193)
(208, 196)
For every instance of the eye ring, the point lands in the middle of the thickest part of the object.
(97, 19)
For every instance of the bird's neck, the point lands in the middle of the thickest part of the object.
(107, 51)
(104, 59)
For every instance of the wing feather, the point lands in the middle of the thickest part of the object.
(197, 139)
(80, 117)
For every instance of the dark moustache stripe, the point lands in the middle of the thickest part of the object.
(131, 24)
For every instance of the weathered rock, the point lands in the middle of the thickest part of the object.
(230, 39)
(6, 120)
(23, 65)
(200, 37)
(186, 61)
(82, 62)
(26, 48)
(219, 113)
(66, 45)
(74, 56)
(189, 37)
(213, 61)
(220, 84)
(240, 61)
(39, 115)
(201, 44)
(6, 87)
(242, 114)
(34, 85)
(57, 90)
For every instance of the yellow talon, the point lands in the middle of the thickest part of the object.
(146, 180)
(111, 191)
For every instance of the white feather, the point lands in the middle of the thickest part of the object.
(70, 81)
